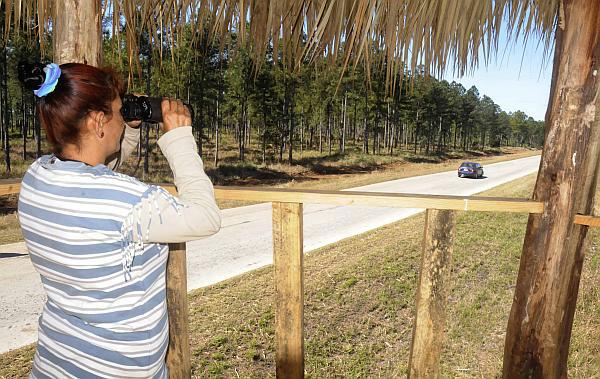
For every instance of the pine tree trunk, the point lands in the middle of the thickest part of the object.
(264, 147)
(440, 136)
(38, 134)
(242, 131)
(146, 127)
(428, 137)
(393, 139)
(24, 124)
(375, 134)
(416, 131)
(291, 125)
(344, 117)
(366, 126)
(455, 132)
(248, 131)
(281, 140)
(216, 161)
(301, 131)
(354, 126)
(264, 135)
(5, 111)
(329, 127)
(483, 141)
(320, 137)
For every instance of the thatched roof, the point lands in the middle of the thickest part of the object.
(439, 34)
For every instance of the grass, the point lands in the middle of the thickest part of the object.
(359, 304)
(10, 230)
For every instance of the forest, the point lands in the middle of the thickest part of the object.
(267, 112)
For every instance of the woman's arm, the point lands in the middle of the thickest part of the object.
(197, 214)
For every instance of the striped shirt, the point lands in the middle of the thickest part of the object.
(106, 305)
(88, 232)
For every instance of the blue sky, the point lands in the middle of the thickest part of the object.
(518, 78)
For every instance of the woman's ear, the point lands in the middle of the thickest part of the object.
(95, 123)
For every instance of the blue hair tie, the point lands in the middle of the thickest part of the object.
(52, 74)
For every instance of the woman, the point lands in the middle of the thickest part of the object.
(98, 238)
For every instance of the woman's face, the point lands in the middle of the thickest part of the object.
(113, 129)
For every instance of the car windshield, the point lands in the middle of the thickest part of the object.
(468, 164)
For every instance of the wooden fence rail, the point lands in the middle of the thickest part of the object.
(287, 206)
(587, 220)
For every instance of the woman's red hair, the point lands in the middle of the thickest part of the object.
(80, 90)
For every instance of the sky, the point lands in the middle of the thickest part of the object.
(518, 78)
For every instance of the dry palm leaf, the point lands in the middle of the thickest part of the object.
(435, 34)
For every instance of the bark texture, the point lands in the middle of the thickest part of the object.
(432, 294)
(77, 32)
(541, 318)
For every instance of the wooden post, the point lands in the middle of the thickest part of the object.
(77, 30)
(178, 355)
(289, 285)
(432, 293)
(541, 319)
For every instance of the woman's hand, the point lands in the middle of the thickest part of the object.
(175, 114)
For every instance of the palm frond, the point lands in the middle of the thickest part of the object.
(438, 34)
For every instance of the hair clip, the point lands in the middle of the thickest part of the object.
(52, 71)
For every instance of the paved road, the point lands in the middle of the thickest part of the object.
(244, 242)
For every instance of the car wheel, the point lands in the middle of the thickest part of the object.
(460, 175)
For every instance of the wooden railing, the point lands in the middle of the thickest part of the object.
(431, 297)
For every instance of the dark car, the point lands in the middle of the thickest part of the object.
(470, 169)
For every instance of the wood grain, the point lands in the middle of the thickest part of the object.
(289, 285)
(432, 294)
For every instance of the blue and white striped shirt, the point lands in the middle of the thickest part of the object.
(106, 313)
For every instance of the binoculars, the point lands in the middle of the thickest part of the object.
(147, 109)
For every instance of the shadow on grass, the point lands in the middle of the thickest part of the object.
(7, 210)
(424, 159)
(246, 174)
(323, 169)
(8, 204)
(252, 174)
(339, 164)
(484, 153)
(457, 154)
(334, 157)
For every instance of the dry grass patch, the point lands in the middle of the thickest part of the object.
(10, 231)
(17, 363)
